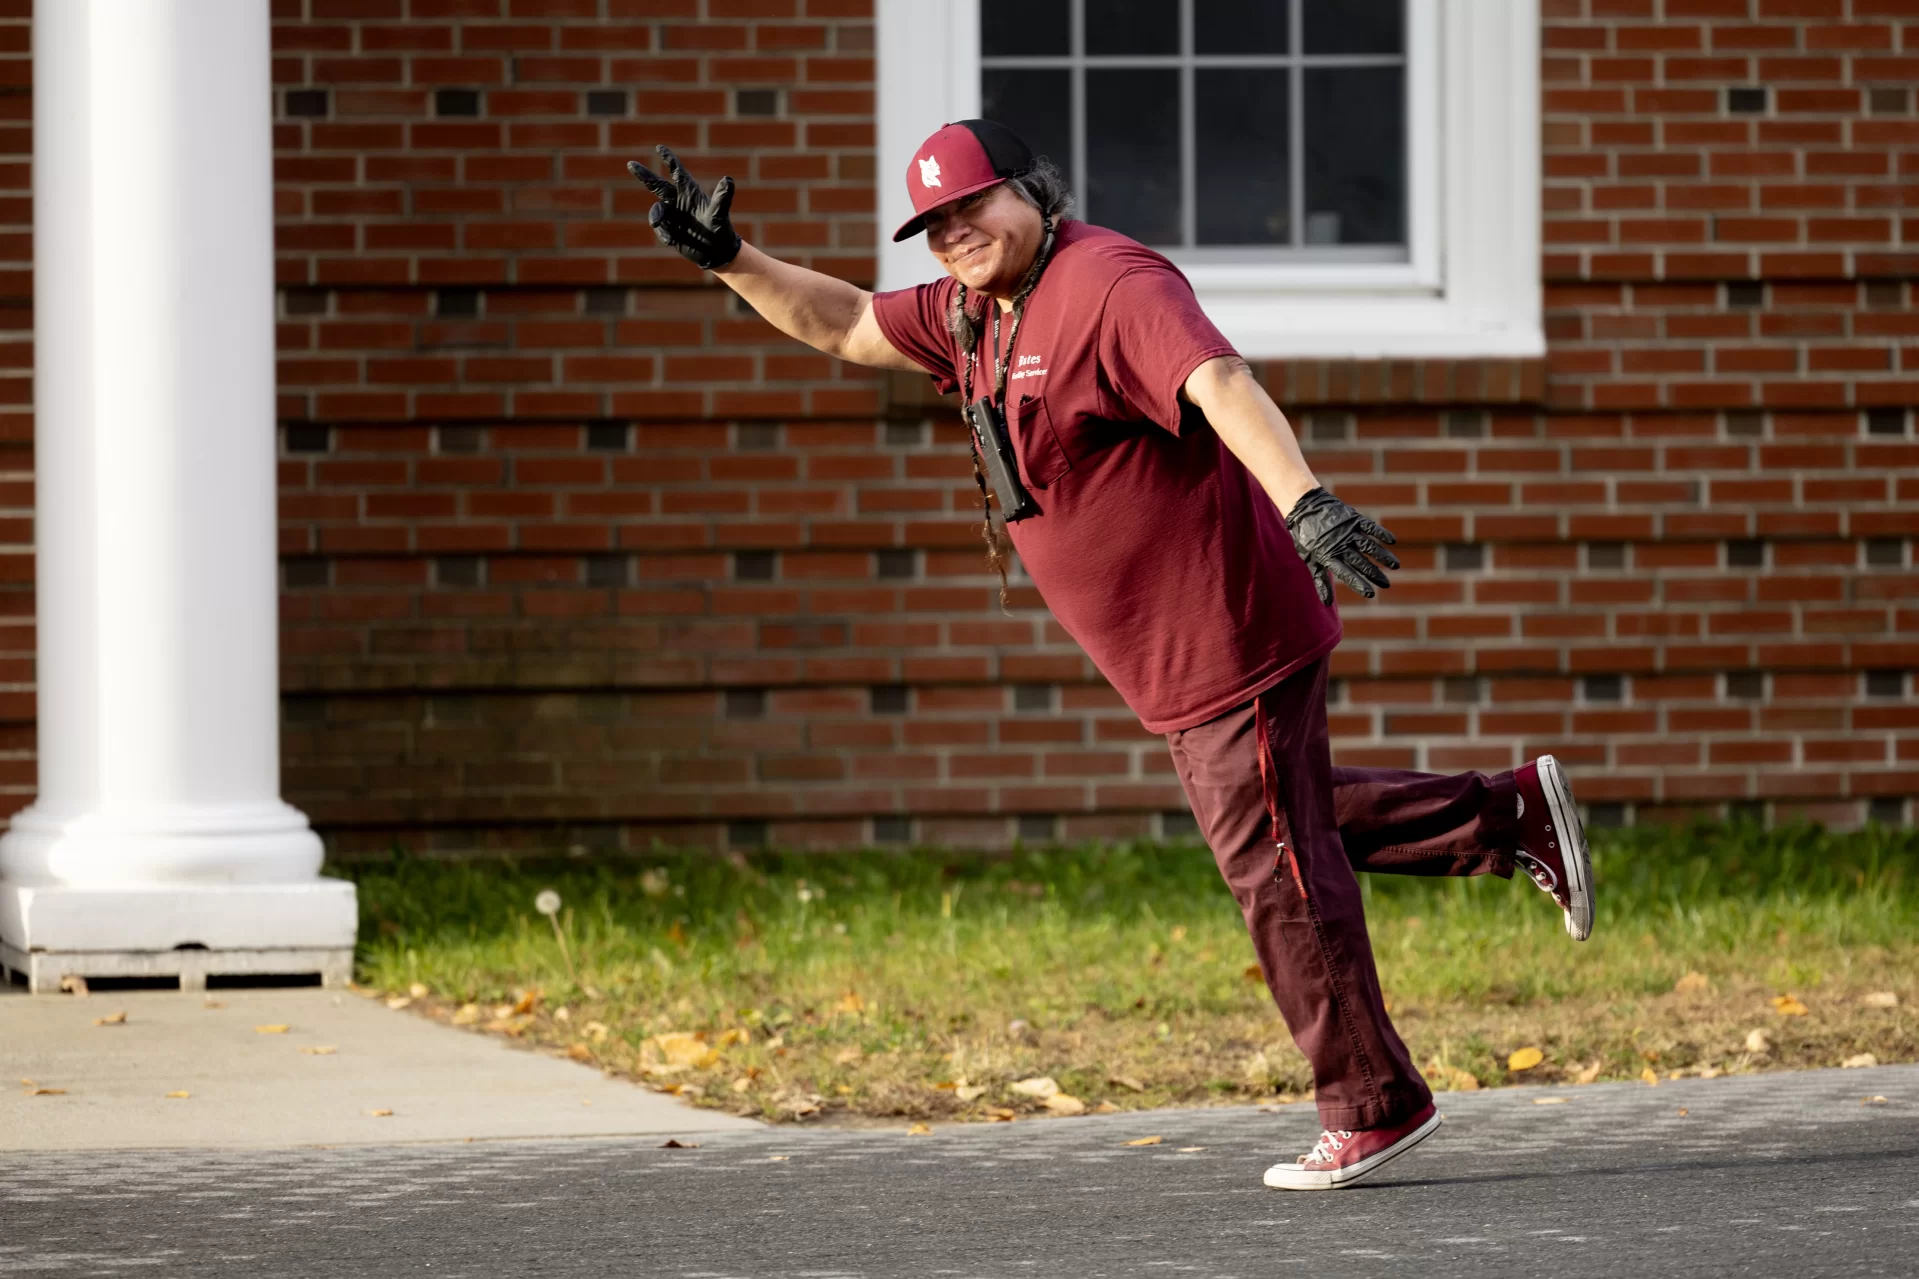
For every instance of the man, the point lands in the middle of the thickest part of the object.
(1160, 502)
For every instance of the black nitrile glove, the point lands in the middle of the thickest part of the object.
(686, 219)
(1334, 538)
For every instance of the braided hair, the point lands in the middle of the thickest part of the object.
(966, 329)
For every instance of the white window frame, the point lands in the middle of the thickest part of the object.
(1471, 286)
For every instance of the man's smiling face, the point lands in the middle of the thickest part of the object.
(986, 240)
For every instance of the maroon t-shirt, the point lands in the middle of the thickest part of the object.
(1154, 546)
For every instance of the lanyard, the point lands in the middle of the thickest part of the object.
(1000, 370)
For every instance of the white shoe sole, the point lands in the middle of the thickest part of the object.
(1293, 1177)
(1574, 851)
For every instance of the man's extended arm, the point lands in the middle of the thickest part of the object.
(1330, 536)
(827, 314)
(1251, 425)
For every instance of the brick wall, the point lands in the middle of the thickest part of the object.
(579, 551)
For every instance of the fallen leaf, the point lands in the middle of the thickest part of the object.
(527, 1002)
(1106, 1108)
(1859, 1060)
(683, 1049)
(1872, 1101)
(676, 934)
(1650, 1076)
(1524, 1059)
(278, 1028)
(946, 1085)
(674, 1144)
(579, 1052)
(999, 1115)
(920, 1130)
(850, 1002)
(847, 1056)
(1178, 933)
(320, 1050)
(1252, 973)
(74, 984)
(181, 1095)
(1710, 1072)
(111, 1019)
(418, 990)
(1683, 1112)
(597, 1031)
(1190, 1150)
(777, 1159)
(1880, 999)
(26, 1083)
(1463, 1081)
(1145, 1141)
(1693, 983)
(1549, 1101)
(1758, 1041)
(969, 1092)
(1788, 1006)
(47, 1092)
(399, 1002)
(466, 1015)
(380, 1114)
(1127, 1081)
(1038, 1086)
(213, 1003)
(1065, 1104)
(1589, 1074)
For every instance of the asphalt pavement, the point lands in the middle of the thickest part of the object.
(1785, 1174)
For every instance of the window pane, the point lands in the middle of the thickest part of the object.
(1037, 105)
(1242, 170)
(1355, 26)
(1356, 155)
(1030, 28)
(1239, 26)
(1132, 153)
(1132, 26)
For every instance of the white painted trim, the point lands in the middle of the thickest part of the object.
(1472, 286)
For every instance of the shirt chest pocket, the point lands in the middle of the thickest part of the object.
(1041, 456)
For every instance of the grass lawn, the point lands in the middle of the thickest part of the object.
(881, 985)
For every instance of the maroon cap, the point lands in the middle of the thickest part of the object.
(960, 159)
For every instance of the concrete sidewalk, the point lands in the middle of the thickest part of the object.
(1754, 1175)
(249, 1089)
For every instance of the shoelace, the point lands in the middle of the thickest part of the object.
(1330, 1143)
(1541, 873)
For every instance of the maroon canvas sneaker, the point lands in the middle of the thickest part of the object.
(1341, 1158)
(1552, 842)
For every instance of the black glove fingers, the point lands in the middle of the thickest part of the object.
(690, 194)
(653, 182)
(1324, 586)
(1373, 550)
(1345, 573)
(722, 200)
(1378, 532)
(1364, 567)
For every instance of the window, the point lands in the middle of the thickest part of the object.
(1338, 178)
(1275, 125)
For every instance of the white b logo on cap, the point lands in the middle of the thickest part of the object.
(930, 171)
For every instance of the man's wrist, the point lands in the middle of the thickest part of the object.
(1288, 500)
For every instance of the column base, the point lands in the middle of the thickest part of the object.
(189, 931)
(48, 972)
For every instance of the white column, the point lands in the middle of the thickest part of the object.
(158, 842)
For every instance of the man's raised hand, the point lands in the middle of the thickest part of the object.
(1334, 538)
(686, 219)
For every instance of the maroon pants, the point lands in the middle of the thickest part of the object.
(1301, 901)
